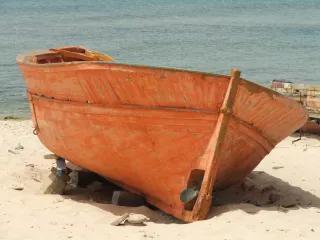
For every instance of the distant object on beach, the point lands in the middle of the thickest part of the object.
(9, 117)
(170, 135)
(308, 95)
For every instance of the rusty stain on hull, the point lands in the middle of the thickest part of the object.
(159, 132)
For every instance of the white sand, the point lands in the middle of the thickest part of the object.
(248, 212)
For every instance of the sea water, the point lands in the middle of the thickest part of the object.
(265, 39)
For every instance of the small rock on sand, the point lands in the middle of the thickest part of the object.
(277, 167)
(19, 147)
(132, 218)
(11, 151)
(17, 187)
(137, 219)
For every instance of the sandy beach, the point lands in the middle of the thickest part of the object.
(170, 99)
(279, 200)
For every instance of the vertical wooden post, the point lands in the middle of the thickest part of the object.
(213, 151)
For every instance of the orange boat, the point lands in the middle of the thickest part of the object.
(170, 135)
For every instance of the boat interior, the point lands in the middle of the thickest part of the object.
(69, 54)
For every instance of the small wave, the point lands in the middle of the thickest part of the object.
(7, 64)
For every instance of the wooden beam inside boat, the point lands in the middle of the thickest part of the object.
(83, 56)
(75, 55)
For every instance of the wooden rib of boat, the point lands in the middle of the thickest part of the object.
(170, 135)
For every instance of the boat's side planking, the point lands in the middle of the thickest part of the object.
(149, 129)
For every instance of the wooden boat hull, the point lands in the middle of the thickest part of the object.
(157, 131)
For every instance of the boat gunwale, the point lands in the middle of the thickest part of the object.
(22, 60)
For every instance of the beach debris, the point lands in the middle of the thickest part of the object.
(137, 218)
(131, 218)
(16, 150)
(59, 199)
(11, 118)
(289, 204)
(124, 198)
(34, 178)
(11, 151)
(19, 147)
(17, 187)
(31, 165)
(50, 156)
(305, 148)
(277, 167)
(297, 140)
(55, 183)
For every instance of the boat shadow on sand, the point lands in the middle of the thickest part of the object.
(259, 191)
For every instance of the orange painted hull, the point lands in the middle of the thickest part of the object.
(157, 131)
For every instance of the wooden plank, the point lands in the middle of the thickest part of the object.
(213, 151)
(87, 56)
(75, 55)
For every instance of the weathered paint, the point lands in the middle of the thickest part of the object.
(147, 129)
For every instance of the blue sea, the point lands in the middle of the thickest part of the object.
(266, 39)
